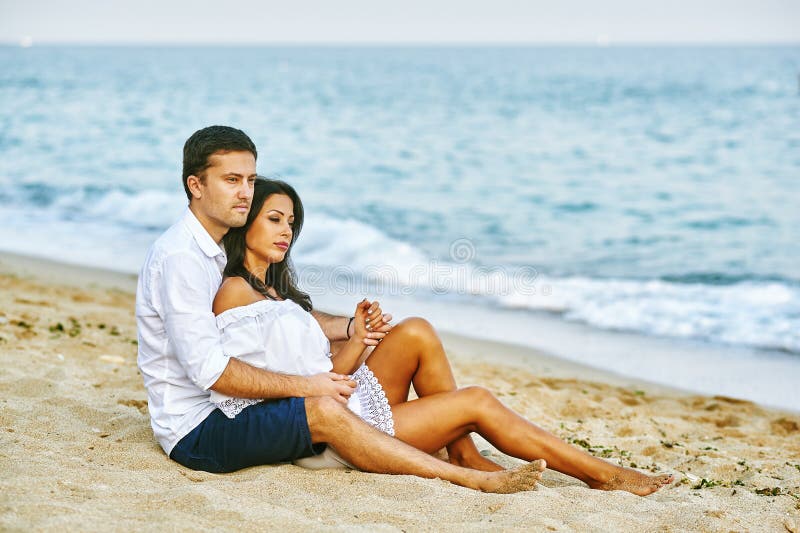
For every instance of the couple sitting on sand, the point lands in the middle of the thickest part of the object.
(240, 370)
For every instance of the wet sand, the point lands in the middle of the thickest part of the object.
(78, 452)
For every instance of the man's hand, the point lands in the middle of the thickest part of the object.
(337, 386)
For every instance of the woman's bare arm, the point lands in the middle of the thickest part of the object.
(346, 358)
(245, 381)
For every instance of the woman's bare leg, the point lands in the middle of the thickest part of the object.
(432, 421)
(413, 353)
(374, 451)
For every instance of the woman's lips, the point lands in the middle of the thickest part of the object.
(282, 245)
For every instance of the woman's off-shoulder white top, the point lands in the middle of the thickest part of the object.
(280, 336)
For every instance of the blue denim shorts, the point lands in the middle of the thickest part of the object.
(269, 432)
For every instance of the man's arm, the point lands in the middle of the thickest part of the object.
(245, 381)
(184, 294)
(334, 327)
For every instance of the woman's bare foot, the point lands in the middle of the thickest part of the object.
(634, 482)
(475, 461)
(463, 452)
(518, 479)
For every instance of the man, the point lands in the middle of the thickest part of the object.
(181, 359)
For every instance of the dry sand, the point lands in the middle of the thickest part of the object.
(78, 454)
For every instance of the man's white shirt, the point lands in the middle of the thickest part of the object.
(180, 354)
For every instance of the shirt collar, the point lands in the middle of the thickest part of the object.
(201, 236)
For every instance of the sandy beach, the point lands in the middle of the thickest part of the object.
(78, 452)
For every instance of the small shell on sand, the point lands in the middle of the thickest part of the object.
(114, 359)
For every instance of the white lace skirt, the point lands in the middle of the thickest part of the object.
(368, 401)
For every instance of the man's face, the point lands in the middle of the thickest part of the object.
(222, 199)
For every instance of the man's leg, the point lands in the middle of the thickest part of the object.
(373, 451)
(265, 433)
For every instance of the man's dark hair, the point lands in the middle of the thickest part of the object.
(203, 143)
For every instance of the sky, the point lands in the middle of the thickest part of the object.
(405, 21)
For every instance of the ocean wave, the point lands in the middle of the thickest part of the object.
(758, 314)
(356, 248)
(346, 254)
(722, 278)
(148, 209)
(711, 307)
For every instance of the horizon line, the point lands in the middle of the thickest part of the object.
(27, 42)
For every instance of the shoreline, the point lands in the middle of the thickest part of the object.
(529, 358)
(74, 275)
(513, 355)
(677, 365)
(79, 452)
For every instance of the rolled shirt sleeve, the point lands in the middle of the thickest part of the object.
(189, 321)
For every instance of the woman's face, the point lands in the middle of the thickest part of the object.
(270, 234)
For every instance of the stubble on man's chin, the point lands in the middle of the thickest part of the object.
(235, 222)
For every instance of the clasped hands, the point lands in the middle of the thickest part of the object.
(369, 326)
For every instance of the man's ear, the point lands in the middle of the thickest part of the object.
(193, 182)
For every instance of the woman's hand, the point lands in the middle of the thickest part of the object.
(370, 324)
(377, 320)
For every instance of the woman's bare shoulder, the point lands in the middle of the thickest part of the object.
(234, 292)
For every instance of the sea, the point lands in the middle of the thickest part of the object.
(635, 209)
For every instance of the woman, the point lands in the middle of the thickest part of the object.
(265, 321)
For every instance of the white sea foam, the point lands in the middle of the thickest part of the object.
(332, 242)
(756, 314)
(345, 256)
(148, 208)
